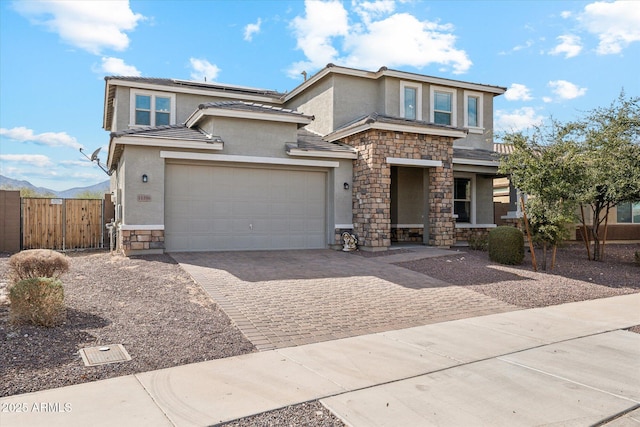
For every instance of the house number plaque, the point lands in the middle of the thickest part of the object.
(144, 197)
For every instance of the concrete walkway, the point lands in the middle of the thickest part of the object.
(284, 298)
(563, 365)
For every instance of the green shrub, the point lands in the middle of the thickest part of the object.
(35, 263)
(478, 243)
(637, 255)
(39, 301)
(506, 245)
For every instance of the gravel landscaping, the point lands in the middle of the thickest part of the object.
(163, 319)
(148, 304)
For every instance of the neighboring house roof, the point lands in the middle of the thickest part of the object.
(475, 154)
(311, 144)
(381, 122)
(170, 136)
(248, 110)
(503, 148)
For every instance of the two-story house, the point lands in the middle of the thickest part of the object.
(390, 156)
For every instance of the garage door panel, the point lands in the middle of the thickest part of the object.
(236, 208)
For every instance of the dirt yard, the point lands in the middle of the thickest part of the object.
(152, 307)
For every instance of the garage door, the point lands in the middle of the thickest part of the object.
(235, 208)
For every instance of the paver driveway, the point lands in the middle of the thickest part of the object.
(286, 298)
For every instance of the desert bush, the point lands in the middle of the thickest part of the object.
(39, 301)
(35, 263)
(506, 245)
(478, 243)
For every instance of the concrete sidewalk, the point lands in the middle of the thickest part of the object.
(565, 365)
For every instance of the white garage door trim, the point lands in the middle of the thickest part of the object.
(244, 207)
(183, 155)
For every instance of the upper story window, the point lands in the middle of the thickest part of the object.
(410, 101)
(152, 109)
(443, 106)
(473, 111)
(629, 213)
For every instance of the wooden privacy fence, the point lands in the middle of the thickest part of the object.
(62, 224)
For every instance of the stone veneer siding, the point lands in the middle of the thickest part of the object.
(141, 240)
(372, 185)
(413, 235)
(465, 234)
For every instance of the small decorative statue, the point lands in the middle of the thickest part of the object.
(350, 242)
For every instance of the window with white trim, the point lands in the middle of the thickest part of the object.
(410, 101)
(443, 106)
(628, 213)
(462, 199)
(473, 111)
(152, 108)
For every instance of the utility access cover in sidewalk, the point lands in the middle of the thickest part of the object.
(104, 354)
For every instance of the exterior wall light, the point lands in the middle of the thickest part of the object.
(145, 178)
(346, 185)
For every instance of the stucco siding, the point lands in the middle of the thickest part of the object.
(353, 98)
(484, 199)
(317, 101)
(143, 203)
(251, 137)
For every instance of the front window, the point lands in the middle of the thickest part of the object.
(472, 111)
(150, 109)
(462, 199)
(629, 213)
(410, 101)
(443, 106)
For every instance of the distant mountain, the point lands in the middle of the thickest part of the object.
(8, 183)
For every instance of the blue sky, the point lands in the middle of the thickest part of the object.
(558, 59)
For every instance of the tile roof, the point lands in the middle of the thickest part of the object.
(176, 83)
(379, 118)
(250, 106)
(311, 141)
(475, 154)
(502, 148)
(169, 132)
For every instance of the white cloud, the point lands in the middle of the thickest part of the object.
(566, 90)
(373, 9)
(518, 92)
(616, 24)
(547, 99)
(566, 14)
(252, 29)
(517, 120)
(203, 70)
(38, 160)
(322, 22)
(51, 139)
(117, 67)
(89, 25)
(378, 39)
(569, 45)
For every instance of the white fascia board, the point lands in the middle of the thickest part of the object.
(486, 170)
(322, 73)
(399, 161)
(347, 226)
(193, 91)
(253, 115)
(194, 118)
(491, 163)
(444, 82)
(229, 158)
(395, 128)
(169, 143)
(297, 152)
(141, 227)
